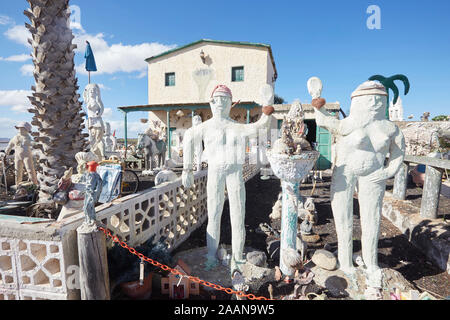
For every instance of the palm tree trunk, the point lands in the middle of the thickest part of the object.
(57, 110)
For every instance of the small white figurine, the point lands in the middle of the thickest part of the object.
(21, 143)
(110, 140)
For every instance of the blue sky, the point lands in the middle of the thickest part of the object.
(327, 38)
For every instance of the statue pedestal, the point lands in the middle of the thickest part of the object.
(291, 170)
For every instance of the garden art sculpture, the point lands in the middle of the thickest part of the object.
(224, 141)
(364, 139)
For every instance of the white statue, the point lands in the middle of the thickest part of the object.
(224, 141)
(198, 148)
(364, 139)
(96, 127)
(110, 140)
(396, 110)
(21, 143)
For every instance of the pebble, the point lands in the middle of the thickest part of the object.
(257, 258)
(312, 238)
(324, 259)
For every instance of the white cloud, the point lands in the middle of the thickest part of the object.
(118, 57)
(103, 87)
(4, 20)
(107, 113)
(17, 58)
(7, 129)
(19, 34)
(17, 100)
(27, 69)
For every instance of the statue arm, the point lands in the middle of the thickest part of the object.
(192, 135)
(11, 143)
(396, 157)
(327, 121)
(251, 129)
(396, 154)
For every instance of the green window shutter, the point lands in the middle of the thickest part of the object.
(323, 138)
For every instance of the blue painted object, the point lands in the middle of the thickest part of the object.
(90, 60)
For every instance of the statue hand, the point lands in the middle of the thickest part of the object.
(187, 178)
(378, 176)
(268, 110)
(318, 103)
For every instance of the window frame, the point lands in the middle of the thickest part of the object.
(233, 74)
(167, 78)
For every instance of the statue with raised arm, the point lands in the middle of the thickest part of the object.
(92, 192)
(363, 140)
(224, 141)
(23, 156)
(96, 128)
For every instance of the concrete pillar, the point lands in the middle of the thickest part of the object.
(431, 191)
(400, 182)
(169, 142)
(289, 205)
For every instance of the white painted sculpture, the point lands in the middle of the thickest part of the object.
(96, 128)
(198, 147)
(23, 156)
(224, 141)
(396, 110)
(165, 175)
(110, 140)
(364, 139)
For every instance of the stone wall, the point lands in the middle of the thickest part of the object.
(420, 136)
(39, 261)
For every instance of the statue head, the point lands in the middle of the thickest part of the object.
(369, 100)
(220, 102)
(24, 128)
(196, 120)
(91, 92)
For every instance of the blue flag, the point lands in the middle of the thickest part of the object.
(90, 60)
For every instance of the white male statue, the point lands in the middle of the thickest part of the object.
(96, 127)
(21, 143)
(364, 139)
(224, 141)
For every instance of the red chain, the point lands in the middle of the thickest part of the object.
(176, 272)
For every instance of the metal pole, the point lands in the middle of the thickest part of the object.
(169, 142)
(126, 132)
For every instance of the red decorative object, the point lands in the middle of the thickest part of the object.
(135, 291)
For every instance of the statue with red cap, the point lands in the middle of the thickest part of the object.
(92, 192)
(224, 140)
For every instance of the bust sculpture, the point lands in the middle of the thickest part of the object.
(363, 140)
(224, 141)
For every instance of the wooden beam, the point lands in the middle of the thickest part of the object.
(433, 162)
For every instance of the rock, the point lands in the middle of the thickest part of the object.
(324, 259)
(273, 248)
(257, 258)
(311, 238)
(357, 259)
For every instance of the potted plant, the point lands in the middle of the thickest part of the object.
(124, 267)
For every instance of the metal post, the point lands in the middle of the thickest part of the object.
(169, 142)
(400, 182)
(431, 190)
(125, 123)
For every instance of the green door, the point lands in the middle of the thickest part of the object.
(323, 138)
